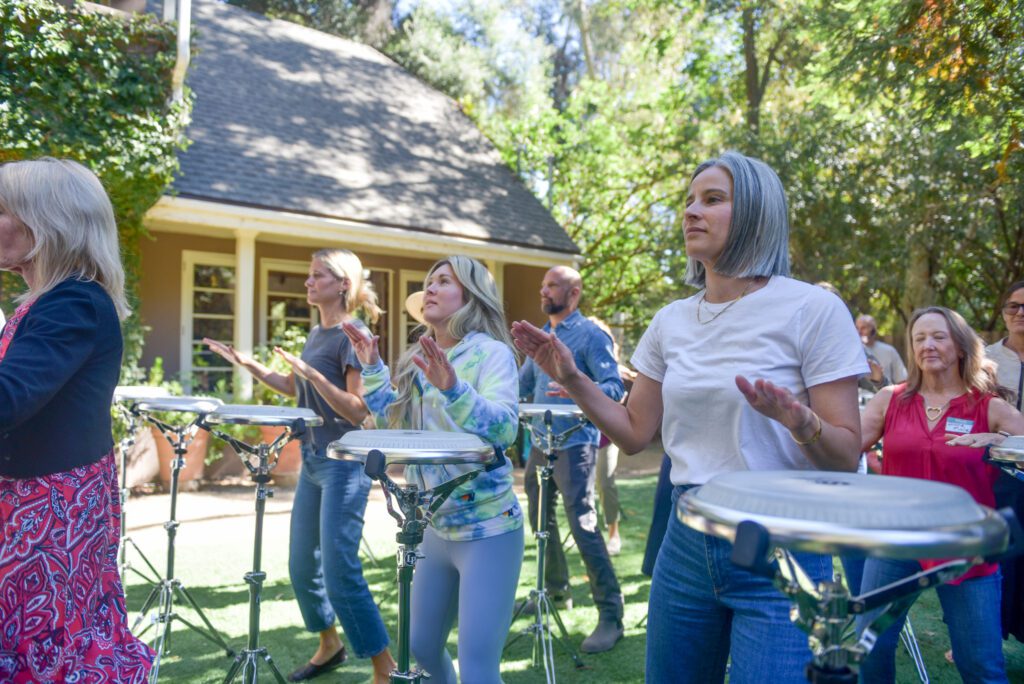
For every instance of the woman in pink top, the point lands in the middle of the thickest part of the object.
(934, 427)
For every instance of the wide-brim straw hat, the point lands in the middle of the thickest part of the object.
(414, 306)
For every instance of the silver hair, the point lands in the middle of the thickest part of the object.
(482, 311)
(74, 233)
(360, 295)
(758, 241)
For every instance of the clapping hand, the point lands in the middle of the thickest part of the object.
(300, 367)
(365, 346)
(975, 439)
(775, 402)
(226, 351)
(435, 365)
(547, 351)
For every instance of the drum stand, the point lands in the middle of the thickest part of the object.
(826, 610)
(417, 509)
(248, 659)
(123, 564)
(544, 637)
(164, 591)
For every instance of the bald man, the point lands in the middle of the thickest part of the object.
(576, 460)
(888, 357)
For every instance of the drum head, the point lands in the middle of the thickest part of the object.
(252, 414)
(136, 392)
(179, 404)
(825, 512)
(557, 410)
(1010, 451)
(412, 447)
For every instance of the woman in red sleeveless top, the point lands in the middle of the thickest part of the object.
(934, 427)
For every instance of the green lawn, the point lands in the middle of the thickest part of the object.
(213, 556)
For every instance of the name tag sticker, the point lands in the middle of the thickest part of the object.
(959, 426)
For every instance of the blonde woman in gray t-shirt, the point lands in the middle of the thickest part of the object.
(330, 498)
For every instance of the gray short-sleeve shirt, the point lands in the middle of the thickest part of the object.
(330, 352)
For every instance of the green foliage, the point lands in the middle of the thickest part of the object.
(292, 340)
(94, 87)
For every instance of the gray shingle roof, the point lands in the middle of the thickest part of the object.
(294, 119)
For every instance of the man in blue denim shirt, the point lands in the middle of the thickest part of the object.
(576, 459)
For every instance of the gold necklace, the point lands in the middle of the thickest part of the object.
(703, 300)
(933, 412)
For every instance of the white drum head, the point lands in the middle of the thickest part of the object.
(412, 447)
(557, 410)
(136, 392)
(1010, 451)
(827, 512)
(254, 414)
(179, 404)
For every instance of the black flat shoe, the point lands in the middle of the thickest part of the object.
(309, 670)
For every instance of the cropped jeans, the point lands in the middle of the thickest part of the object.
(969, 609)
(702, 609)
(323, 554)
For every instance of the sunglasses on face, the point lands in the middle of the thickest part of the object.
(1012, 308)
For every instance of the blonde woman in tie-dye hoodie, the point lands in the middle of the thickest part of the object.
(461, 377)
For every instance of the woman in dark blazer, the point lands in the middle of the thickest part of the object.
(62, 611)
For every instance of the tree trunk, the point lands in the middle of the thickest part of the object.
(378, 21)
(753, 86)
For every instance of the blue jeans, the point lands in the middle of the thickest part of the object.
(969, 609)
(703, 609)
(323, 553)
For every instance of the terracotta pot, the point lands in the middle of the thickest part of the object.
(195, 457)
(290, 461)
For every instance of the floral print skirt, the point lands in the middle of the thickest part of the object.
(62, 612)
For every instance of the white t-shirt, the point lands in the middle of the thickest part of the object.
(790, 333)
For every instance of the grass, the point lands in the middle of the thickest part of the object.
(212, 557)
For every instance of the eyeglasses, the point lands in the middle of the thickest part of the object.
(1012, 308)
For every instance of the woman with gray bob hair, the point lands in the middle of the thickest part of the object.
(758, 242)
(60, 357)
(756, 371)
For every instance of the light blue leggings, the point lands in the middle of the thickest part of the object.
(476, 582)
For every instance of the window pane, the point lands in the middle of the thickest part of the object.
(213, 303)
(217, 329)
(212, 381)
(279, 281)
(291, 307)
(214, 276)
(202, 357)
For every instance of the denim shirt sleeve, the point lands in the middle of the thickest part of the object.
(527, 380)
(487, 407)
(377, 391)
(602, 366)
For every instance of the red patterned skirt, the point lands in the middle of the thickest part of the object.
(62, 613)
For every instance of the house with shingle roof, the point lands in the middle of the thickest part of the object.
(303, 140)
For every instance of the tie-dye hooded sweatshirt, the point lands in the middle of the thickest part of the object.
(483, 402)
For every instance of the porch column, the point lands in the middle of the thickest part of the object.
(245, 303)
(497, 269)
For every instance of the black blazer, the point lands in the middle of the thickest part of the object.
(57, 381)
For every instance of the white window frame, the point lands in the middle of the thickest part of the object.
(405, 277)
(267, 265)
(189, 260)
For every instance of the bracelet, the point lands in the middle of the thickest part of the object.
(1004, 433)
(815, 437)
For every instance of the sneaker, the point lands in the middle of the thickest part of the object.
(603, 638)
(527, 607)
(614, 545)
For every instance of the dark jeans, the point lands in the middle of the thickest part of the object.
(574, 478)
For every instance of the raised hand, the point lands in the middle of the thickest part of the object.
(363, 345)
(300, 367)
(435, 365)
(226, 351)
(778, 403)
(546, 350)
(556, 390)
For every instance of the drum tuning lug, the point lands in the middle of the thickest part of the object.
(255, 577)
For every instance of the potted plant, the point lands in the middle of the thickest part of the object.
(195, 455)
